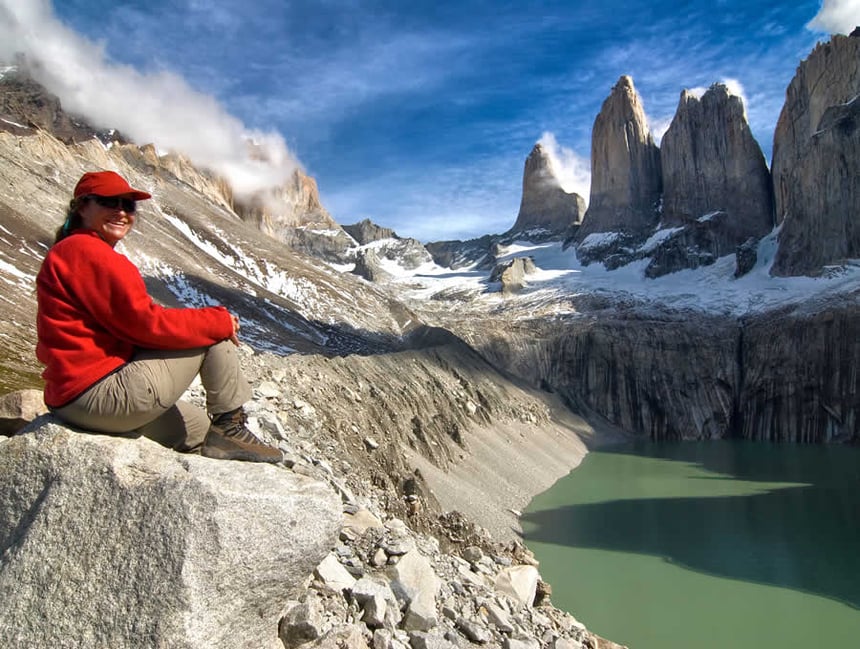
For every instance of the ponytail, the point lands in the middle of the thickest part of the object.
(73, 221)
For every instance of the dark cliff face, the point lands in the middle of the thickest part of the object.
(800, 376)
(712, 163)
(545, 205)
(665, 376)
(816, 160)
(789, 376)
(625, 167)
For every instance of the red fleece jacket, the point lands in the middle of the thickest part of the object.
(94, 312)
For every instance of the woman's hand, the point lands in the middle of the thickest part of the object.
(234, 338)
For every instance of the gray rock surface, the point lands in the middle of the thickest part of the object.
(625, 167)
(367, 231)
(295, 204)
(544, 204)
(19, 408)
(801, 382)
(715, 179)
(332, 573)
(512, 274)
(415, 583)
(111, 542)
(519, 583)
(368, 266)
(26, 106)
(457, 254)
(781, 375)
(711, 162)
(405, 253)
(816, 160)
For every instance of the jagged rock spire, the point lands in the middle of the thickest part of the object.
(711, 164)
(366, 231)
(544, 203)
(625, 167)
(816, 160)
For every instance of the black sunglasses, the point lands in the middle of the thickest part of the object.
(127, 205)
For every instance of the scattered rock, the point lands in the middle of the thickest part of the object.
(746, 257)
(377, 602)
(518, 582)
(302, 623)
(268, 390)
(17, 409)
(332, 573)
(512, 274)
(415, 583)
(474, 631)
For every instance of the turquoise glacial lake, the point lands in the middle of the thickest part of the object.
(706, 545)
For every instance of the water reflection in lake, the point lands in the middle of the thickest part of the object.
(706, 544)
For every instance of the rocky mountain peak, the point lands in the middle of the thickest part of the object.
(625, 167)
(715, 178)
(544, 204)
(296, 203)
(816, 160)
(366, 231)
(294, 214)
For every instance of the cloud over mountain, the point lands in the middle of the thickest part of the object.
(158, 106)
(573, 171)
(837, 17)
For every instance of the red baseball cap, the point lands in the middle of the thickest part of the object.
(107, 183)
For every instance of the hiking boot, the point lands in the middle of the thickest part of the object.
(229, 439)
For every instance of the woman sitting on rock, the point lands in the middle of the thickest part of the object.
(118, 363)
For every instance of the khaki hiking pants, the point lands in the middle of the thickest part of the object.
(142, 397)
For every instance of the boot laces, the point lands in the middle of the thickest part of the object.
(234, 425)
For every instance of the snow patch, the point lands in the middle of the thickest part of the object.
(599, 240)
(9, 121)
(657, 238)
(560, 278)
(708, 217)
(6, 267)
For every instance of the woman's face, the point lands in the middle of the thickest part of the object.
(110, 217)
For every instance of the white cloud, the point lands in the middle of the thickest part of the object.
(158, 107)
(659, 126)
(836, 17)
(734, 86)
(572, 170)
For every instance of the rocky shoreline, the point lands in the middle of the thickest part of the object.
(429, 553)
(438, 562)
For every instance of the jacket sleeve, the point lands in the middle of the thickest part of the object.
(110, 288)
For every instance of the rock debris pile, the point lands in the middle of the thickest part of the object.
(386, 584)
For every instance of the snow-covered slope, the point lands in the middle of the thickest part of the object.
(564, 282)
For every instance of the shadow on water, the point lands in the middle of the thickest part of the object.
(804, 535)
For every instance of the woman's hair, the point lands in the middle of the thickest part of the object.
(73, 220)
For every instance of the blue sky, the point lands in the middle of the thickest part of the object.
(420, 115)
